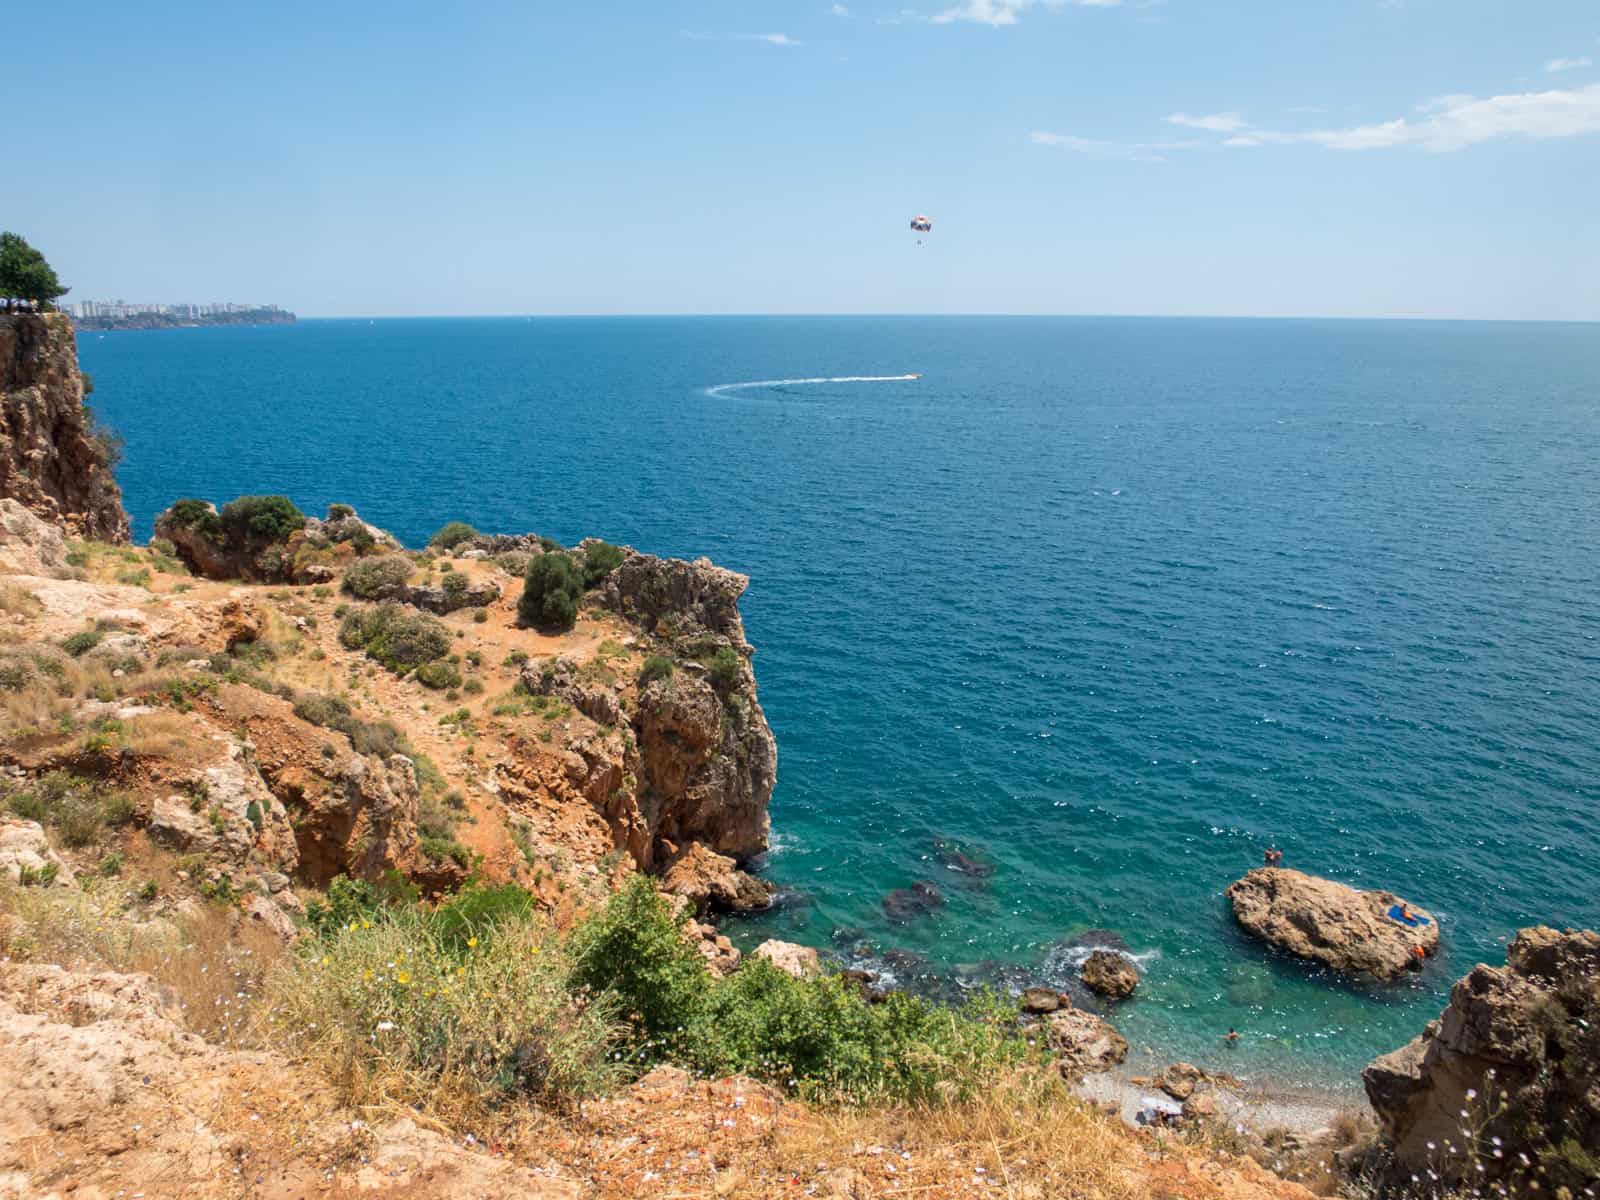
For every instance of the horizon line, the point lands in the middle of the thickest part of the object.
(645, 316)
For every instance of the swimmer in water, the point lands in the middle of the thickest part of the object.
(1231, 1036)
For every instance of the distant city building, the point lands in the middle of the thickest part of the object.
(119, 310)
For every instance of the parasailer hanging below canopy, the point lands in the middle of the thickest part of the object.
(922, 225)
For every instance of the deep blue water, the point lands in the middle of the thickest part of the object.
(1112, 603)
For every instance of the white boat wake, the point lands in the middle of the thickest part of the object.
(723, 388)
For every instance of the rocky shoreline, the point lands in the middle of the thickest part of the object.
(263, 708)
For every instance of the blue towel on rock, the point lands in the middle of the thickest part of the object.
(1394, 911)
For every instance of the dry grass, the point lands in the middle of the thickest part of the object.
(167, 734)
(19, 601)
(212, 962)
(1030, 1138)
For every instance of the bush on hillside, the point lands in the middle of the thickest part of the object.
(401, 639)
(599, 560)
(550, 593)
(452, 535)
(440, 674)
(656, 666)
(198, 516)
(817, 1037)
(368, 577)
(726, 669)
(257, 521)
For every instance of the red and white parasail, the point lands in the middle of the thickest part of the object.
(922, 224)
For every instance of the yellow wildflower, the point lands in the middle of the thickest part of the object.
(472, 941)
(402, 979)
(366, 924)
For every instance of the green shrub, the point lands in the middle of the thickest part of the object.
(599, 560)
(634, 949)
(328, 711)
(368, 577)
(163, 547)
(473, 687)
(817, 1037)
(148, 890)
(479, 911)
(550, 593)
(726, 669)
(452, 535)
(655, 667)
(14, 675)
(455, 585)
(513, 562)
(480, 616)
(339, 512)
(399, 638)
(198, 516)
(252, 522)
(134, 578)
(81, 643)
(439, 675)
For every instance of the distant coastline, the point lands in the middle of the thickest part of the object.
(161, 320)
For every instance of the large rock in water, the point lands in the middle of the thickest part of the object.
(1330, 923)
(1107, 973)
(52, 460)
(1518, 1051)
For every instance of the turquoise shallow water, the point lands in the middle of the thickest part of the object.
(1109, 604)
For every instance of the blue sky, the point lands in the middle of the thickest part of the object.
(1292, 157)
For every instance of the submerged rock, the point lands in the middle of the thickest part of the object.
(904, 905)
(1332, 924)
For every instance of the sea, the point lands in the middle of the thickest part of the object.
(1071, 617)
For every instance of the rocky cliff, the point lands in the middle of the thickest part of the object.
(51, 460)
(1504, 1088)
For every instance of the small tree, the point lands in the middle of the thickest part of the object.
(550, 593)
(24, 273)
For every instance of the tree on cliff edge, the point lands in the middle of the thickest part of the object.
(24, 273)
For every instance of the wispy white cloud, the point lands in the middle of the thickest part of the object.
(1456, 122)
(1568, 64)
(1224, 122)
(772, 39)
(839, 10)
(1440, 125)
(997, 13)
(1096, 148)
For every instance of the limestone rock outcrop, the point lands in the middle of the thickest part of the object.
(25, 853)
(800, 961)
(1518, 1051)
(1330, 923)
(1085, 1043)
(697, 762)
(713, 882)
(29, 545)
(52, 460)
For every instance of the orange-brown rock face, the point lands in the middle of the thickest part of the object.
(1504, 1087)
(50, 461)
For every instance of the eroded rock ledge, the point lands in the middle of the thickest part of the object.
(1504, 1088)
